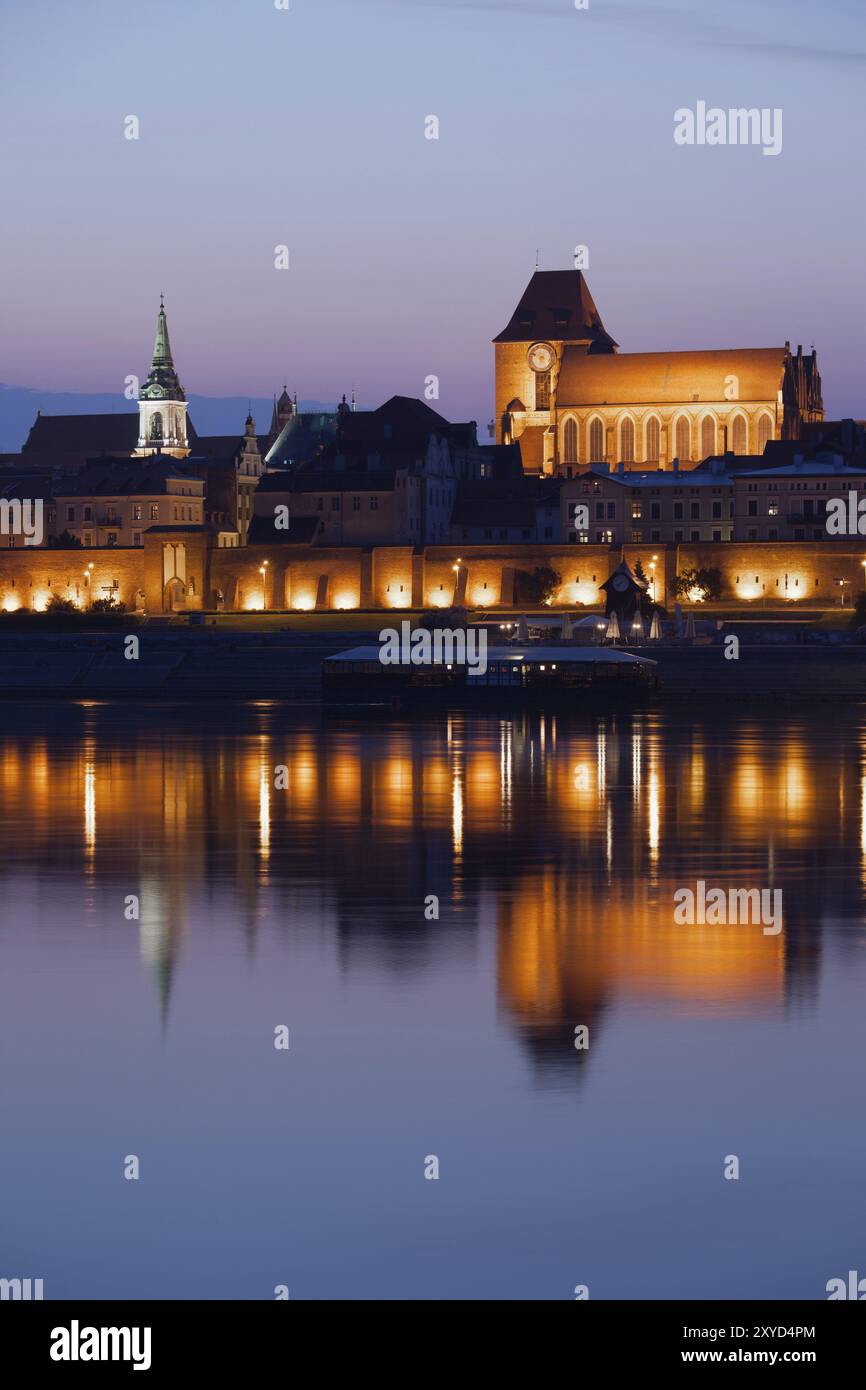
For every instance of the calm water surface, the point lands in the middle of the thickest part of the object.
(555, 848)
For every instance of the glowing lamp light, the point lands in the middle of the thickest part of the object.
(584, 594)
(696, 594)
(303, 604)
(40, 603)
(11, 603)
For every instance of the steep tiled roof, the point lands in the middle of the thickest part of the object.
(557, 305)
(139, 477)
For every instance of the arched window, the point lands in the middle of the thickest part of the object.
(596, 441)
(684, 439)
(626, 441)
(569, 442)
(765, 432)
(708, 436)
(653, 440)
(156, 425)
(739, 435)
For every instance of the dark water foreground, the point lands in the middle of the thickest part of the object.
(555, 848)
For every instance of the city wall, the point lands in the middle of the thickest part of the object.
(181, 573)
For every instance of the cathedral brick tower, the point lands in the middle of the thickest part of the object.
(162, 407)
(556, 310)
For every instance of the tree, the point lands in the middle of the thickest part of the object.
(107, 605)
(699, 584)
(538, 587)
(56, 604)
(639, 572)
(65, 541)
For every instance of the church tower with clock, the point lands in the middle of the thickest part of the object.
(556, 311)
(162, 405)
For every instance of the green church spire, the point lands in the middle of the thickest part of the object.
(162, 382)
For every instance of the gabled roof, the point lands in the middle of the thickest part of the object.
(218, 446)
(69, 440)
(56, 435)
(557, 305)
(669, 378)
(138, 477)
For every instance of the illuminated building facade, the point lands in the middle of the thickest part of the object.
(571, 400)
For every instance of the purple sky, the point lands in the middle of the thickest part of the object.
(306, 127)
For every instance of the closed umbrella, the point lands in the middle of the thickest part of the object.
(522, 629)
(613, 628)
(655, 627)
(638, 630)
(691, 634)
(567, 629)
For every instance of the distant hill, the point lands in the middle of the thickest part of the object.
(209, 414)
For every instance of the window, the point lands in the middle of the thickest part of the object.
(596, 441)
(137, 512)
(112, 513)
(88, 513)
(765, 432)
(111, 538)
(684, 438)
(374, 504)
(773, 533)
(542, 390)
(70, 513)
(154, 511)
(773, 507)
(753, 507)
(599, 511)
(335, 504)
(569, 442)
(717, 535)
(708, 437)
(356, 504)
(655, 511)
(717, 512)
(653, 440)
(678, 535)
(739, 435)
(695, 535)
(88, 538)
(136, 538)
(321, 506)
(611, 511)
(636, 537)
(678, 511)
(695, 511)
(626, 441)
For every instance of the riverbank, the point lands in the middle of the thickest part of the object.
(209, 663)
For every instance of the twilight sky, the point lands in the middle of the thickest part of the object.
(260, 126)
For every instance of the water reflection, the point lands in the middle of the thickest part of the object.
(578, 834)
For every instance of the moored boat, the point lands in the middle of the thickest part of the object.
(519, 675)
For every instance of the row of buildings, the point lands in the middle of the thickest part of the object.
(593, 448)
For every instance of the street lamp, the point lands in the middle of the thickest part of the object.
(263, 571)
(653, 577)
